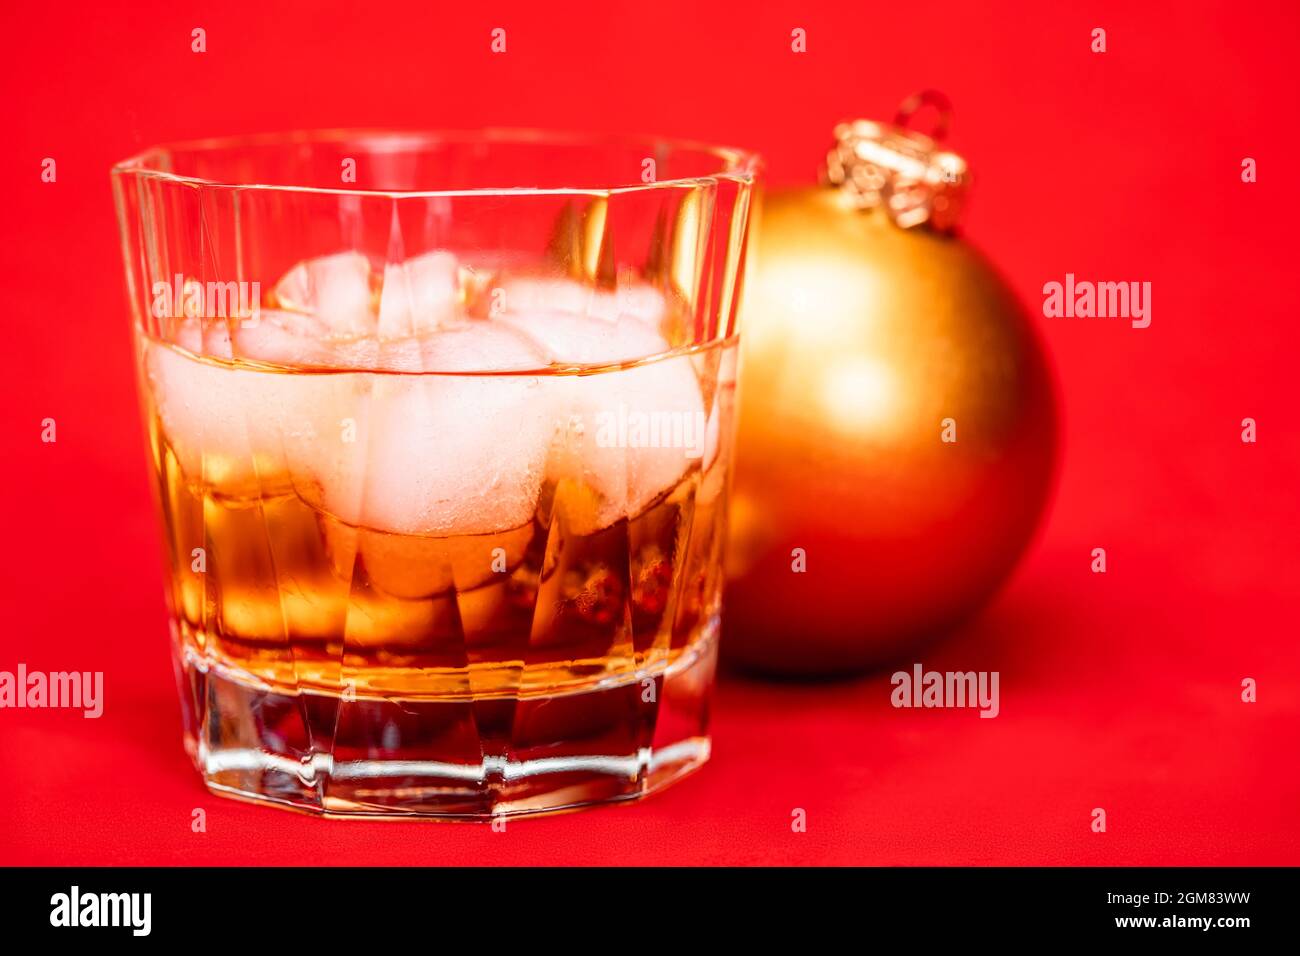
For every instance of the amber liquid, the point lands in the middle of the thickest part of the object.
(300, 600)
(325, 642)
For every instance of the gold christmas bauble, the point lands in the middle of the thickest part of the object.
(896, 436)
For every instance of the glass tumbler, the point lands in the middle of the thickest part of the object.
(440, 427)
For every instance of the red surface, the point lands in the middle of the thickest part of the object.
(1118, 691)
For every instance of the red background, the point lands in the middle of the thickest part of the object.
(1119, 691)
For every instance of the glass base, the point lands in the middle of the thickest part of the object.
(458, 759)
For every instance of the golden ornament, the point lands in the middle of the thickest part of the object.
(896, 424)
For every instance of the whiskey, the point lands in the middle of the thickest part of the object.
(540, 640)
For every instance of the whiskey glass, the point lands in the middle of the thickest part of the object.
(440, 426)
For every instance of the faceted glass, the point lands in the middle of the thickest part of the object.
(440, 426)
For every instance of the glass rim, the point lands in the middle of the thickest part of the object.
(735, 164)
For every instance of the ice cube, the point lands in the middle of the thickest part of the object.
(240, 428)
(419, 295)
(199, 337)
(334, 289)
(453, 455)
(479, 346)
(400, 355)
(630, 434)
(211, 416)
(573, 339)
(288, 339)
(634, 299)
(647, 429)
(450, 454)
